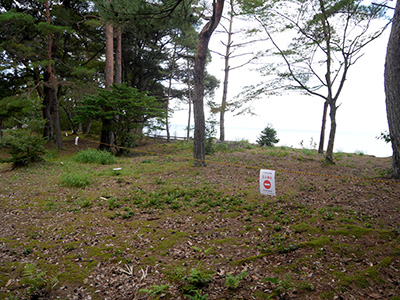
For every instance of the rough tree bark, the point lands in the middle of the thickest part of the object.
(51, 104)
(198, 93)
(118, 56)
(392, 89)
(107, 136)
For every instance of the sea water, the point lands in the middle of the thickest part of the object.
(345, 141)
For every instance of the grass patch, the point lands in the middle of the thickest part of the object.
(77, 180)
(95, 156)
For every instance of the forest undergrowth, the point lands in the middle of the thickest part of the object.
(152, 226)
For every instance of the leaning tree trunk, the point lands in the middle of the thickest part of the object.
(332, 133)
(392, 89)
(322, 136)
(198, 93)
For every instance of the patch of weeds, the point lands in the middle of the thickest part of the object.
(75, 179)
(194, 281)
(156, 290)
(308, 151)
(197, 296)
(95, 156)
(84, 203)
(127, 214)
(146, 161)
(327, 295)
(232, 282)
(113, 203)
(278, 287)
(200, 250)
(306, 287)
(159, 181)
(328, 215)
(384, 173)
(49, 205)
(306, 187)
(28, 250)
(338, 155)
(51, 155)
(37, 281)
(359, 152)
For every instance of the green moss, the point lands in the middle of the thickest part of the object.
(167, 242)
(305, 227)
(249, 259)
(318, 242)
(354, 230)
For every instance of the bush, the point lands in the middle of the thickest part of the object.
(25, 143)
(25, 146)
(210, 133)
(268, 137)
(95, 156)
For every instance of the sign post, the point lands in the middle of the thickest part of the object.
(267, 182)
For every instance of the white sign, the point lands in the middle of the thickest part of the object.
(267, 182)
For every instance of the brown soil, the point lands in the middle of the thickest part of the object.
(162, 229)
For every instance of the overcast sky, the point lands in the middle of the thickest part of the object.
(361, 116)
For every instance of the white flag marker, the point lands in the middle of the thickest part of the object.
(76, 141)
(267, 182)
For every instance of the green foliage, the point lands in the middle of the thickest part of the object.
(95, 156)
(125, 108)
(385, 136)
(197, 296)
(268, 137)
(76, 179)
(198, 278)
(210, 134)
(280, 287)
(37, 281)
(156, 290)
(26, 146)
(232, 282)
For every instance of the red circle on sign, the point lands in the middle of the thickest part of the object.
(267, 184)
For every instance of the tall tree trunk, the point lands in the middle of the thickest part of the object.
(107, 135)
(332, 133)
(199, 66)
(189, 98)
(329, 99)
(225, 89)
(392, 89)
(53, 129)
(88, 125)
(322, 136)
(109, 55)
(169, 92)
(118, 57)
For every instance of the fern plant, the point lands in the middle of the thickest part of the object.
(232, 282)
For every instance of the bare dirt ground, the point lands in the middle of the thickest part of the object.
(162, 229)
